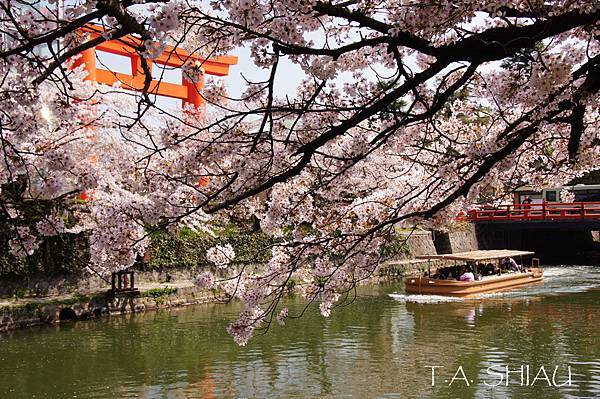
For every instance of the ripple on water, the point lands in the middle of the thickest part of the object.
(425, 298)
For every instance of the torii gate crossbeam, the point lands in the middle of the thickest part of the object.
(187, 91)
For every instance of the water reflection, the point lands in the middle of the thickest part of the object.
(378, 347)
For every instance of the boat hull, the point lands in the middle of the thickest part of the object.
(427, 286)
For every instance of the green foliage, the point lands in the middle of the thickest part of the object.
(321, 281)
(291, 284)
(31, 306)
(160, 292)
(396, 245)
(188, 248)
(68, 253)
(77, 298)
(62, 254)
(25, 308)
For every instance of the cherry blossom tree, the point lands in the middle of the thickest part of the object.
(407, 112)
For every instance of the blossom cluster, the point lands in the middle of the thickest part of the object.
(220, 255)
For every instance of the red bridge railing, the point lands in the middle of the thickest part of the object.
(545, 211)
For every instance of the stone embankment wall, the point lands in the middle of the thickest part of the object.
(463, 239)
(423, 242)
(418, 242)
(44, 285)
(32, 312)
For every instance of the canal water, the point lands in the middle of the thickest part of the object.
(379, 346)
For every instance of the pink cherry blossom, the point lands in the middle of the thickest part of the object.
(220, 255)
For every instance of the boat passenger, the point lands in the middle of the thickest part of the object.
(514, 266)
(510, 264)
(455, 272)
(488, 270)
(477, 270)
(467, 276)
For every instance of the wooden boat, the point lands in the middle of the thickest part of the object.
(431, 286)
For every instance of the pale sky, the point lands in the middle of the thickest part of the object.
(287, 79)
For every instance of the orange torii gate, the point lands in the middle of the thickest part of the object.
(173, 57)
(187, 91)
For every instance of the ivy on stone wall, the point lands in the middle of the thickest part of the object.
(188, 248)
(67, 253)
(56, 255)
(395, 246)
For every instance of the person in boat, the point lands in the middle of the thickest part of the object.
(477, 270)
(456, 272)
(466, 275)
(494, 269)
(439, 275)
(450, 274)
(443, 273)
(510, 264)
(488, 270)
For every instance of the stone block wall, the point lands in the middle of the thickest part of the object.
(419, 242)
(459, 240)
(86, 307)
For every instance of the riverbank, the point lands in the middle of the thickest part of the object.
(151, 294)
(44, 300)
(28, 312)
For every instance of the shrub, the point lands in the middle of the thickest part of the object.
(160, 292)
(395, 245)
(68, 253)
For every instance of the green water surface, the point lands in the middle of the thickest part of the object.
(379, 346)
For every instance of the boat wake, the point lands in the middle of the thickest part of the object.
(565, 271)
(425, 298)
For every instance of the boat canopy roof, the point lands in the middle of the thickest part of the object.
(474, 256)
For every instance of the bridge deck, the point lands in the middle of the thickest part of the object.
(573, 211)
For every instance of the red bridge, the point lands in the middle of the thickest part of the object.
(555, 211)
